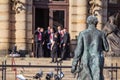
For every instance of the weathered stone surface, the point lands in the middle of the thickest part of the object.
(20, 34)
(20, 40)
(29, 34)
(81, 10)
(20, 25)
(20, 17)
(78, 14)
(79, 2)
(21, 45)
(4, 23)
(4, 7)
(4, 16)
(81, 19)
(4, 1)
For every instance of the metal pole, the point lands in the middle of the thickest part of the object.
(2, 70)
(112, 71)
(60, 70)
(116, 71)
(57, 67)
(5, 71)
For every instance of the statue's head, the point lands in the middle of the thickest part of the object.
(92, 20)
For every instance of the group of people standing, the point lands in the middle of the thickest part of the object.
(52, 43)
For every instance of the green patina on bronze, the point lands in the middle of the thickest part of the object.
(88, 60)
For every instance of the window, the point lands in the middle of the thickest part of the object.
(58, 18)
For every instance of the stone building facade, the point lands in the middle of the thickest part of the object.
(19, 18)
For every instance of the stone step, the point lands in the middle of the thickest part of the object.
(36, 61)
(30, 72)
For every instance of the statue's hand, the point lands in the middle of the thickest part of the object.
(73, 69)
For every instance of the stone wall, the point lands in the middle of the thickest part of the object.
(4, 26)
(79, 10)
(78, 14)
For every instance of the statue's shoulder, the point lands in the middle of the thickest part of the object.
(82, 32)
(101, 32)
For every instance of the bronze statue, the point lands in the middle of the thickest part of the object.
(113, 36)
(88, 60)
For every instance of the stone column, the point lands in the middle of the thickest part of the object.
(78, 14)
(29, 33)
(4, 26)
(20, 27)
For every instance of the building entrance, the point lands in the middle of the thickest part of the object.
(52, 13)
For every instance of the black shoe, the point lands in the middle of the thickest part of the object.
(55, 61)
(51, 61)
(60, 60)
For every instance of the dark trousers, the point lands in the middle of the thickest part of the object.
(46, 50)
(65, 52)
(59, 51)
(38, 49)
(54, 55)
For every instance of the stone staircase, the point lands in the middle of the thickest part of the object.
(29, 72)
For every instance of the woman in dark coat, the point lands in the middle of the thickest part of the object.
(54, 48)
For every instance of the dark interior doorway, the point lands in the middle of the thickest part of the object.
(41, 18)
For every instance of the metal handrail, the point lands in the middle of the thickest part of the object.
(110, 68)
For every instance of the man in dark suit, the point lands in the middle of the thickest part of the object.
(47, 41)
(65, 46)
(59, 40)
(39, 41)
(54, 48)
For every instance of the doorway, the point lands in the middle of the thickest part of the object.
(41, 18)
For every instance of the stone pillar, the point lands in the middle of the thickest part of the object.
(29, 34)
(78, 14)
(20, 31)
(20, 27)
(4, 26)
